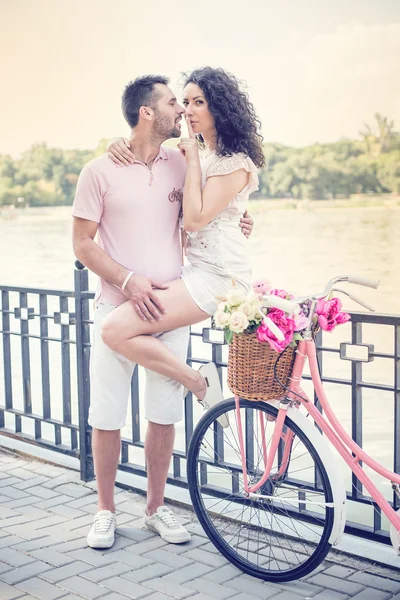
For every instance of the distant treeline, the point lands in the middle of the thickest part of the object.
(47, 176)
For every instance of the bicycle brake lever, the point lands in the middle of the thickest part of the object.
(355, 299)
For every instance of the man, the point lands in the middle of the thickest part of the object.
(134, 210)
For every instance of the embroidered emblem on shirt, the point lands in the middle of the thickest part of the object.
(175, 196)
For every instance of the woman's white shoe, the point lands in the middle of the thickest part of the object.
(214, 393)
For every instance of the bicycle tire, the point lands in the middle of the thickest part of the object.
(195, 472)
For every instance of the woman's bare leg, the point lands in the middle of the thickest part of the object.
(127, 334)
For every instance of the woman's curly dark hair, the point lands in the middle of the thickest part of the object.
(236, 122)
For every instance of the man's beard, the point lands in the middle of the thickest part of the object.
(163, 129)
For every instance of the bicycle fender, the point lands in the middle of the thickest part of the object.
(332, 469)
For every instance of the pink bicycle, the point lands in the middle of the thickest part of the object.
(267, 489)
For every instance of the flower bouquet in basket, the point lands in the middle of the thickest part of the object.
(258, 339)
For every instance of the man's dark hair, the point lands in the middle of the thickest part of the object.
(140, 92)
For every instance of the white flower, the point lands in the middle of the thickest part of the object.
(236, 296)
(238, 322)
(221, 306)
(248, 308)
(221, 319)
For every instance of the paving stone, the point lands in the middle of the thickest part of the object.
(286, 596)
(151, 572)
(135, 534)
(208, 558)
(51, 556)
(72, 524)
(42, 492)
(170, 589)
(49, 521)
(9, 540)
(16, 520)
(56, 501)
(83, 588)
(192, 571)
(372, 594)
(72, 489)
(59, 534)
(32, 481)
(148, 545)
(73, 568)
(73, 597)
(25, 572)
(165, 558)
(91, 557)
(33, 512)
(125, 587)
(106, 572)
(68, 477)
(133, 560)
(330, 595)
(21, 473)
(41, 589)
(9, 593)
(223, 574)
(195, 542)
(196, 529)
(4, 567)
(8, 482)
(244, 584)
(131, 508)
(210, 588)
(380, 583)
(334, 583)
(119, 544)
(67, 511)
(301, 587)
(250, 596)
(6, 513)
(116, 596)
(15, 558)
(339, 571)
(26, 531)
(15, 494)
(27, 500)
(159, 596)
(71, 545)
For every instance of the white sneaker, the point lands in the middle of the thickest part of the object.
(214, 393)
(103, 529)
(165, 523)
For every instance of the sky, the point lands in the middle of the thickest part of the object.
(316, 70)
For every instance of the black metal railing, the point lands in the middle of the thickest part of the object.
(45, 351)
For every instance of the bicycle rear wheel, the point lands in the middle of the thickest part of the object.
(283, 533)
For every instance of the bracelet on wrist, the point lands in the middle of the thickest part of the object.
(127, 278)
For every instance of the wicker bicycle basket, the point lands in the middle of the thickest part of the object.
(251, 368)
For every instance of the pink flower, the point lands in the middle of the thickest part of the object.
(301, 321)
(285, 324)
(329, 314)
(281, 293)
(262, 286)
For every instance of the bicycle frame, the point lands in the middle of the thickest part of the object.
(330, 426)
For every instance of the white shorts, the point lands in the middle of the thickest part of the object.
(110, 380)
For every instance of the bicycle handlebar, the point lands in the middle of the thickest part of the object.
(371, 283)
(293, 307)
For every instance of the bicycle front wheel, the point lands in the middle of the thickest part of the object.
(281, 532)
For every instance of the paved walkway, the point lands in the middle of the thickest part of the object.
(46, 512)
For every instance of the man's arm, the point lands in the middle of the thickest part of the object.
(139, 290)
(92, 256)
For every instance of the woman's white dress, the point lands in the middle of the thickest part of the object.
(218, 253)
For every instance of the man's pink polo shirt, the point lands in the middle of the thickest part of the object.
(137, 211)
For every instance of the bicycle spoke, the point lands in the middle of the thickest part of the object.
(280, 529)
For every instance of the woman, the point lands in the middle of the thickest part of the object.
(218, 182)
